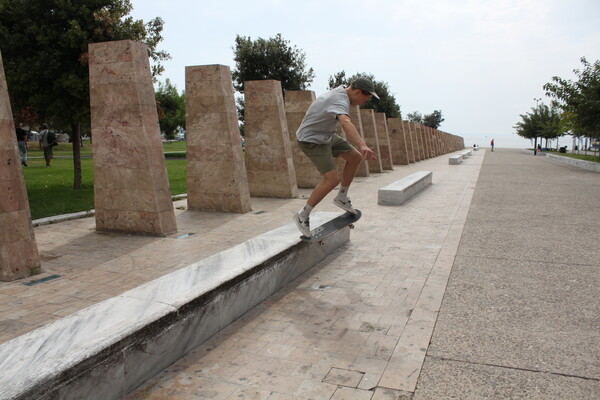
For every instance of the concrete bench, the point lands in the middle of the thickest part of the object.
(107, 350)
(401, 191)
(466, 153)
(455, 159)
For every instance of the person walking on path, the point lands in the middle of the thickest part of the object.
(492, 144)
(22, 142)
(46, 143)
(317, 139)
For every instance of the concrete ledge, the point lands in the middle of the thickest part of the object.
(64, 217)
(466, 153)
(455, 160)
(401, 191)
(583, 164)
(107, 350)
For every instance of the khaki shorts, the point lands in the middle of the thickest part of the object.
(322, 154)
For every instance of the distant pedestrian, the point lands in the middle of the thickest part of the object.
(46, 143)
(22, 142)
(492, 144)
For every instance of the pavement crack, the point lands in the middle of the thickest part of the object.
(516, 368)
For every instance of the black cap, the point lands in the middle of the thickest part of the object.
(366, 85)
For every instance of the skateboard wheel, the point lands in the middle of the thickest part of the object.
(351, 226)
(321, 242)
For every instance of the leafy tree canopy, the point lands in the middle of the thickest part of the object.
(433, 120)
(579, 100)
(543, 121)
(271, 58)
(44, 47)
(415, 117)
(386, 103)
(171, 109)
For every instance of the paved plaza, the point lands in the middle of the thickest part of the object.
(484, 285)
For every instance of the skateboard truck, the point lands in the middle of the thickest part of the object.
(320, 233)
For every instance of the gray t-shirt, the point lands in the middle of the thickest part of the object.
(320, 121)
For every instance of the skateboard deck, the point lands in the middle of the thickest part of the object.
(322, 232)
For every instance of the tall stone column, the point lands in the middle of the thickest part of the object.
(438, 141)
(19, 256)
(216, 172)
(131, 187)
(416, 142)
(430, 139)
(426, 144)
(420, 136)
(268, 150)
(296, 104)
(367, 117)
(397, 141)
(385, 147)
(363, 168)
(409, 141)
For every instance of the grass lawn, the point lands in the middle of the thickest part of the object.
(50, 190)
(586, 157)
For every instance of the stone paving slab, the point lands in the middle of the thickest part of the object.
(358, 324)
(354, 312)
(520, 317)
(448, 379)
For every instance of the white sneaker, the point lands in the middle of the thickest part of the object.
(344, 205)
(303, 225)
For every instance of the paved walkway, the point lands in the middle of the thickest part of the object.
(521, 314)
(358, 325)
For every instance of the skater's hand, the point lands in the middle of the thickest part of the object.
(367, 153)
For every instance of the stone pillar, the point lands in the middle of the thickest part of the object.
(367, 116)
(429, 134)
(131, 187)
(19, 256)
(385, 147)
(215, 169)
(420, 136)
(409, 141)
(296, 104)
(426, 143)
(363, 168)
(416, 142)
(268, 150)
(397, 141)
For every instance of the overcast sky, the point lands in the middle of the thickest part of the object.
(480, 62)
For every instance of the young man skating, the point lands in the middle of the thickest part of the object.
(317, 139)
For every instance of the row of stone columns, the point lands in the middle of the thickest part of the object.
(131, 186)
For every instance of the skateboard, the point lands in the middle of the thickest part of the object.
(320, 233)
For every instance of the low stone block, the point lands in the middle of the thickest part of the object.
(401, 191)
(455, 160)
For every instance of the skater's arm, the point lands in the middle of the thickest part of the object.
(354, 137)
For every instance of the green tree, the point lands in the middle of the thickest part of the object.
(272, 58)
(171, 109)
(579, 100)
(433, 120)
(415, 117)
(386, 103)
(541, 122)
(44, 46)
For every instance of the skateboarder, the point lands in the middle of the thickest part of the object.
(317, 139)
